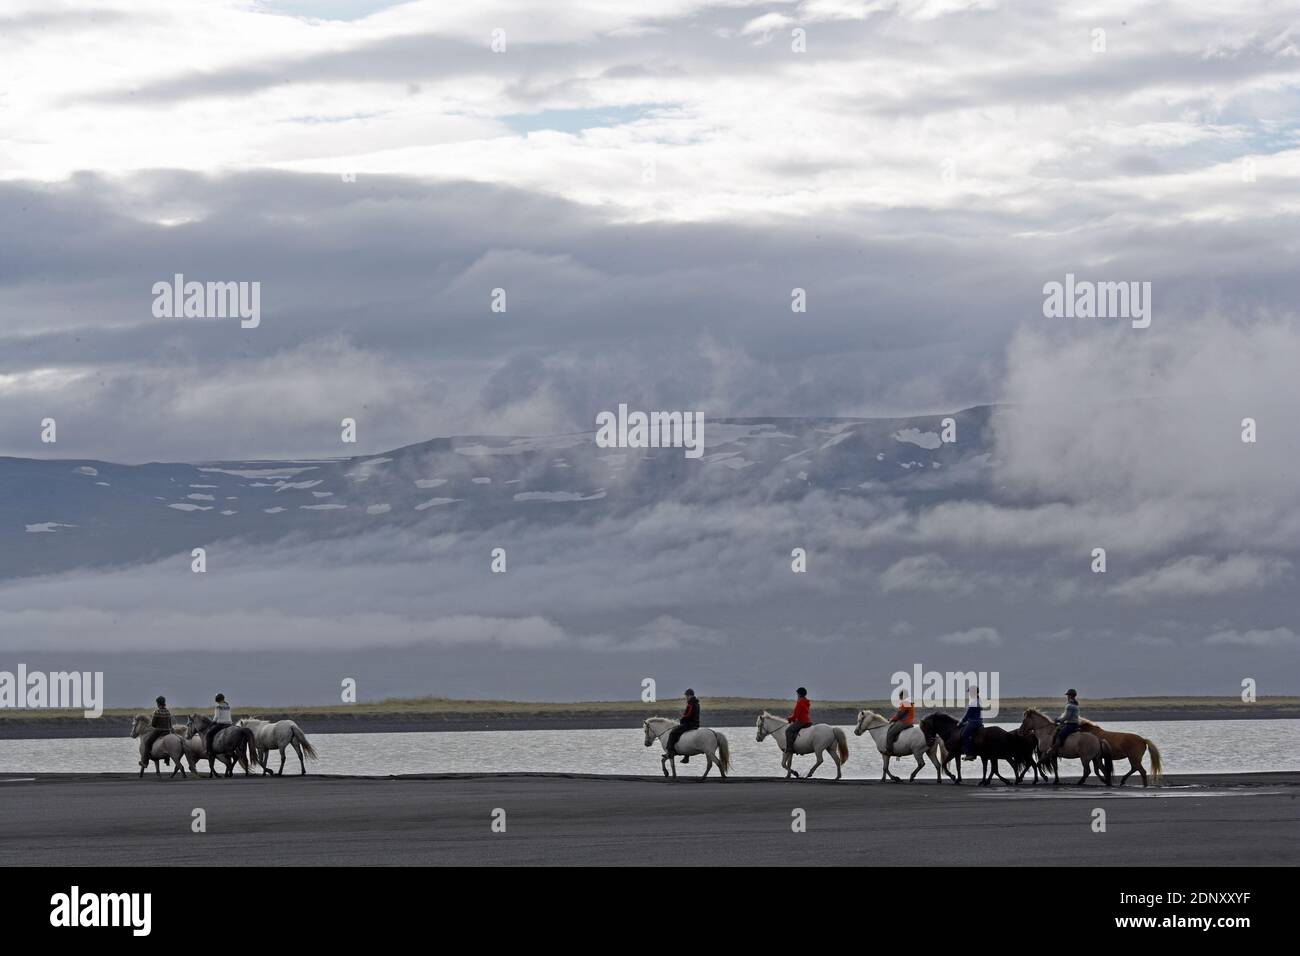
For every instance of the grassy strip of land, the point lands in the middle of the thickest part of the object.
(737, 707)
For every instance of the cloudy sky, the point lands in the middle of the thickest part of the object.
(648, 183)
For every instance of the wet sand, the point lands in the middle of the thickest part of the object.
(118, 820)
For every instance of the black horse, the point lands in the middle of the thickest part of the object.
(233, 742)
(987, 743)
(1026, 747)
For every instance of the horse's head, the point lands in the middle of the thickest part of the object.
(761, 727)
(196, 725)
(861, 728)
(138, 724)
(927, 728)
(650, 735)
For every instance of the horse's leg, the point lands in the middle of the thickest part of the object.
(998, 773)
(212, 766)
(663, 764)
(1133, 765)
(1142, 771)
(814, 767)
(839, 764)
(298, 750)
(280, 772)
(1086, 772)
(984, 771)
(920, 764)
(707, 766)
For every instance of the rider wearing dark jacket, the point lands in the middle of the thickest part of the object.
(160, 725)
(690, 720)
(971, 721)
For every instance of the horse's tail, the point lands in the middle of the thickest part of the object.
(724, 752)
(842, 743)
(247, 750)
(1157, 768)
(310, 751)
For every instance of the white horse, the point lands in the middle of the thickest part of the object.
(703, 740)
(910, 741)
(280, 735)
(819, 738)
(171, 746)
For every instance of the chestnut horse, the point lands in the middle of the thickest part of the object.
(1132, 746)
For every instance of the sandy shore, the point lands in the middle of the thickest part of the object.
(444, 716)
(78, 819)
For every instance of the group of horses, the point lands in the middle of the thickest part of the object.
(938, 737)
(247, 743)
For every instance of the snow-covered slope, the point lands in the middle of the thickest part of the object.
(60, 514)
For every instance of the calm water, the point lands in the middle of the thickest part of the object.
(1186, 746)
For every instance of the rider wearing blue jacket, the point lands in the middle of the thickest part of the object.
(970, 722)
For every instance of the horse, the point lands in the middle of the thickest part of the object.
(988, 743)
(702, 740)
(234, 741)
(278, 735)
(170, 746)
(1024, 745)
(819, 738)
(910, 741)
(1089, 749)
(1132, 746)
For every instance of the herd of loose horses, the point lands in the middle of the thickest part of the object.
(938, 737)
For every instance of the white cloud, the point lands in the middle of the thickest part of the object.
(976, 635)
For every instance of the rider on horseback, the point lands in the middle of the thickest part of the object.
(1067, 723)
(799, 718)
(220, 721)
(690, 720)
(899, 722)
(971, 721)
(160, 725)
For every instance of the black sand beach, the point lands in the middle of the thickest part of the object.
(118, 820)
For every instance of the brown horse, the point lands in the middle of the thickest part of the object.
(1132, 746)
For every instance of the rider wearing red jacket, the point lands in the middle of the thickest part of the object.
(799, 718)
(690, 720)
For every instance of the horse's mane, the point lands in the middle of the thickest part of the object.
(1035, 710)
(648, 719)
(1085, 722)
